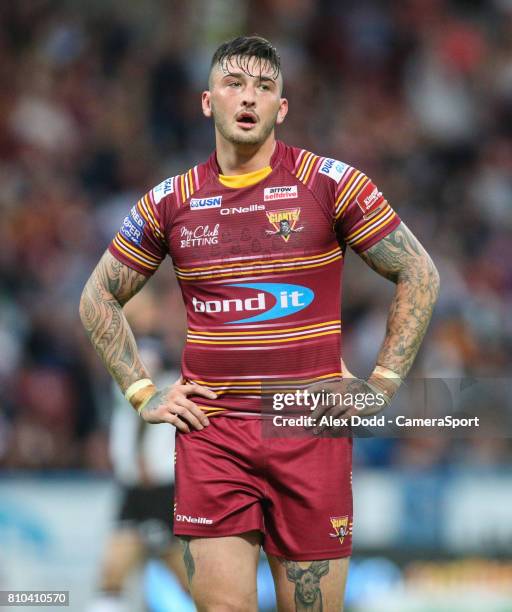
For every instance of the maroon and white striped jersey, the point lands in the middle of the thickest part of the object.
(259, 260)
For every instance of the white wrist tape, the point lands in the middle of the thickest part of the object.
(137, 386)
(387, 373)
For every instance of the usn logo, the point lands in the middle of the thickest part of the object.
(272, 301)
(333, 168)
(201, 203)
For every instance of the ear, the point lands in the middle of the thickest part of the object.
(206, 103)
(283, 111)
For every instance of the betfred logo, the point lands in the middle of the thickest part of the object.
(370, 200)
(133, 227)
(201, 203)
(270, 300)
(280, 193)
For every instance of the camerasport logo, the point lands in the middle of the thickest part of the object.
(284, 222)
(201, 235)
(280, 193)
(341, 526)
(265, 301)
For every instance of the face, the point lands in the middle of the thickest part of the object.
(245, 104)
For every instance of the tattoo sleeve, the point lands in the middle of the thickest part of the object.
(400, 258)
(109, 287)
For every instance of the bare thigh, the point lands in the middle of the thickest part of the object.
(316, 586)
(222, 571)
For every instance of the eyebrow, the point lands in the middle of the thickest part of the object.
(238, 75)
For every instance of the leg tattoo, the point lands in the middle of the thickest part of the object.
(308, 594)
(188, 559)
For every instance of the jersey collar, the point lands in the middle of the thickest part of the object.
(275, 160)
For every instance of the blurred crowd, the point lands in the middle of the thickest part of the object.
(99, 101)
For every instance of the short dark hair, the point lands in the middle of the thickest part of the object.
(243, 48)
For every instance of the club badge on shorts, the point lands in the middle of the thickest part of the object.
(341, 527)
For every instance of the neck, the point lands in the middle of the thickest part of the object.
(236, 159)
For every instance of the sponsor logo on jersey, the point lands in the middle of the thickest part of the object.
(200, 520)
(280, 193)
(269, 300)
(370, 200)
(284, 222)
(201, 235)
(133, 227)
(340, 526)
(333, 169)
(238, 210)
(160, 191)
(201, 203)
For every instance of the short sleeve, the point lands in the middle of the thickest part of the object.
(140, 243)
(362, 216)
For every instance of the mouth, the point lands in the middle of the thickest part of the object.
(246, 120)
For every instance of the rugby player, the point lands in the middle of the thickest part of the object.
(257, 236)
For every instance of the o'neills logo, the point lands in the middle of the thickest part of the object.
(280, 193)
(241, 209)
(198, 520)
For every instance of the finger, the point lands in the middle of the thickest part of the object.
(186, 415)
(174, 420)
(193, 389)
(193, 408)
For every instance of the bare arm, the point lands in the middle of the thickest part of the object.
(109, 287)
(400, 258)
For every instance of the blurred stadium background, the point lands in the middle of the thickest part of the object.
(99, 101)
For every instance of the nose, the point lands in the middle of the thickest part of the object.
(249, 97)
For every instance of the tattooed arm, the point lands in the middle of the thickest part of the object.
(109, 287)
(400, 258)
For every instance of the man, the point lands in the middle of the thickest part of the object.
(263, 312)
